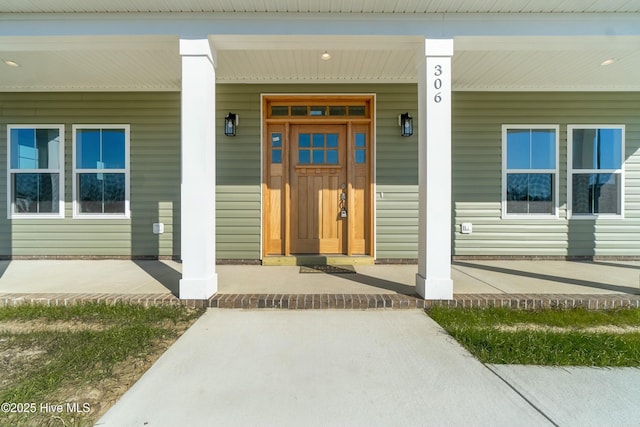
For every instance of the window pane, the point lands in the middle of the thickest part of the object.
(101, 192)
(299, 110)
(90, 192)
(304, 140)
(36, 192)
(276, 156)
(360, 140)
(304, 156)
(530, 193)
(596, 193)
(23, 151)
(518, 149)
(361, 156)
(279, 110)
(357, 110)
(318, 110)
(276, 140)
(318, 140)
(609, 155)
(336, 110)
(332, 140)
(88, 148)
(332, 157)
(318, 157)
(543, 149)
(113, 148)
(114, 193)
(597, 148)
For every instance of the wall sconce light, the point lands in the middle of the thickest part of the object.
(230, 124)
(405, 121)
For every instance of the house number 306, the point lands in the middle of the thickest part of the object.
(437, 83)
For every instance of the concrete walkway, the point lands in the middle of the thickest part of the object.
(357, 368)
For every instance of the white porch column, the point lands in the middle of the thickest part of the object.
(433, 280)
(198, 187)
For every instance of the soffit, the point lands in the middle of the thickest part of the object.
(110, 63)
(322, 6)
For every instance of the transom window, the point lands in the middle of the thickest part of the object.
(101, 171)
(596, 170)
(312, 110)
(530, 170)
(318, 148)
(35, 171)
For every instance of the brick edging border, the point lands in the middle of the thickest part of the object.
(336, 301)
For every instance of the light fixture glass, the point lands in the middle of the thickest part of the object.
(607, 62)
(325, 56)
(406, 124)
(11, 63)
(230, 124)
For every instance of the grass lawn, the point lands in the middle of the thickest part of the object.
(65, 366)
(546, 337)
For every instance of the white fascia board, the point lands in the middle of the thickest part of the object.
(199, 25)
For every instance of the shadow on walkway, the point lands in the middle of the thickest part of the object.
(377, 282)
(3, 267)
(167, 276)
(568, 280)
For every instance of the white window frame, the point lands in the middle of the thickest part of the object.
(570, 172)
(505, 172)
(127, 174)
(61, 166)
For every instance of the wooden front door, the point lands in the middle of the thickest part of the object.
(318, 189)
(317, 194)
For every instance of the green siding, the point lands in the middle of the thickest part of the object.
(477, 168)
(154, 120)
(238, 163)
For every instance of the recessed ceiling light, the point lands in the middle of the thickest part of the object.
(325, 56)
(11, 63)
(608, 62)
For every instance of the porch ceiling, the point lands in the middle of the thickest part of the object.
(321, 6)
(138, 63)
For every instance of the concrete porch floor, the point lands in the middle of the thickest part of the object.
(470, 277)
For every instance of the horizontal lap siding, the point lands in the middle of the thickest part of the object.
(477, 167)
(154, 120)
(238, 162)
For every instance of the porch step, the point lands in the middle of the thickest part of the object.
(318, 260)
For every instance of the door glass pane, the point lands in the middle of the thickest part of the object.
(298, 110)
(332, 140)
(304, 157)
(332, 157)
(357, 110)
(276, 156)
(338, 110)
(318, 157)
(276, 140)
(279, 110)
(304, 140)
(361, 156)
(318, 140)
(318, 110)
(360, 140)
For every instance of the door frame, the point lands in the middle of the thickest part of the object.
(369, 100)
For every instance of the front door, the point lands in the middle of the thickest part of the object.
(318, 189)
(317, 175)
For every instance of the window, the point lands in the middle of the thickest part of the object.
(35, 172)
(101, 171)
(529, 171)
(318, 149)
(595, 170)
